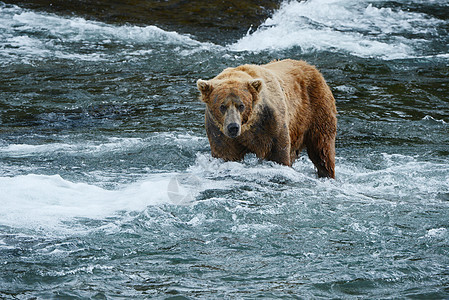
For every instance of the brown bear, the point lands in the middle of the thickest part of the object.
(273, 110)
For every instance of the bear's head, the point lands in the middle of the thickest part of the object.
(230, 102)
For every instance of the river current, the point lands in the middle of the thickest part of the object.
(108, 189)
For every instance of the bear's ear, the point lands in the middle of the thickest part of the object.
(204, 86)
(256, 84)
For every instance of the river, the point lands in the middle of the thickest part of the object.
(108, 189)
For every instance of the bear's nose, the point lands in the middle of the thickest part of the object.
(233, 129)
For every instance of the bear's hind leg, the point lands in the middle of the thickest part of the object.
(321, 151)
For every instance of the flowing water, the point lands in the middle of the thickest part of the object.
(108, 189)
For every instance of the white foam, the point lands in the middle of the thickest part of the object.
(430, 118)
(398, 178)
(31, 35)
(79, 29)
(98, 147)
(52, 203)
(355, 27)
(112, 145)
(38, 201)
(436, 232)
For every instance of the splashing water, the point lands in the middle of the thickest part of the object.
(354, 27)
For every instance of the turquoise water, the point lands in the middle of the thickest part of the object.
(108, 189)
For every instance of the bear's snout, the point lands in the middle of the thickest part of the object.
(233, 130)
(232, 122)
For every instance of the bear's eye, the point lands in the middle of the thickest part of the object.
(241, 107)
(223, 108)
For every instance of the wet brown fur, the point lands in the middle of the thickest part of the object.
(293, 109)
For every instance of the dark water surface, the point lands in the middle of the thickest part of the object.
(108, 189)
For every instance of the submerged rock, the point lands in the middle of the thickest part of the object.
(209, 20)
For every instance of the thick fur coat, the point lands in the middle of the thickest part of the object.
(274, 110)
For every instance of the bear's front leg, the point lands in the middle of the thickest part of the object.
(226, 151)
(280, 151)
